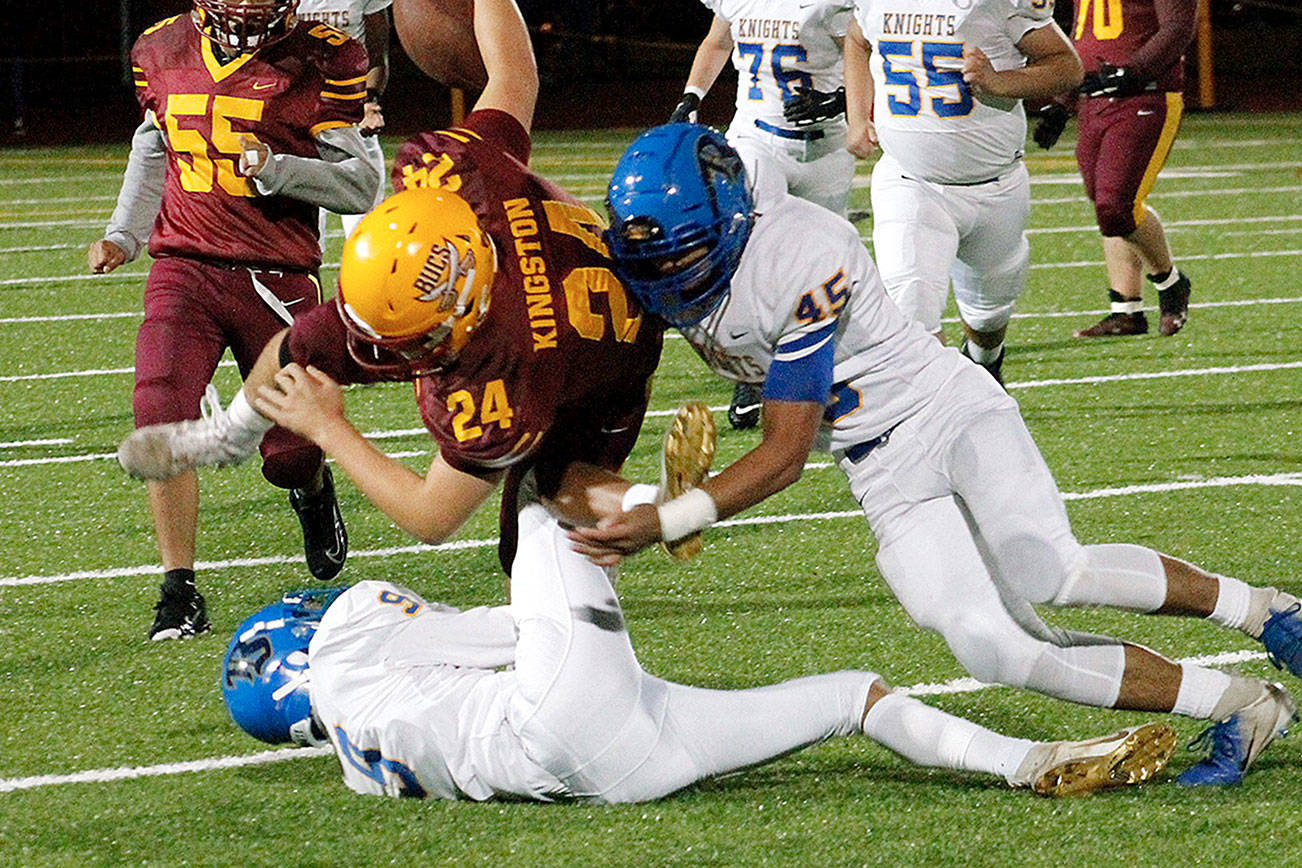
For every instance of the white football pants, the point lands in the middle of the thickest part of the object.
(926, 234)
(587, 713)
(820, 171)
(972, 531)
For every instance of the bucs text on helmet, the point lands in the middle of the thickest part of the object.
(680, 214)
(415, 282)
(242, 26)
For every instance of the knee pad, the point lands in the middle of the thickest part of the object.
(1116, 219)
(291, 467)
(1088, 674)
(993, 655)
(920, 300)
(1028, 564)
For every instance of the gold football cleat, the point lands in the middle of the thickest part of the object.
(684, 464)
(1130, 756)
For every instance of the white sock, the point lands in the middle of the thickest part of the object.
(982, 355)
(1233, 602)
(1200, 690)
(244, 418)
(930, 737)
(1170, 279)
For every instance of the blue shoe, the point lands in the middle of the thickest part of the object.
(1282, 636)
(1234, 743)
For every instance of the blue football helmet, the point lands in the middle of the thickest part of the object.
(680, 214)
(265, 679)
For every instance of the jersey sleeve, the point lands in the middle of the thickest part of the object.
(373, 6)
(142, 68)
(502, 129)
(837, 19)
(1028, 15)
(482, 426)
(343, 80)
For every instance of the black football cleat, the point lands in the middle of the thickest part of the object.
(1174, 304)
(747, 400)
(1117, 325)
(995, 368)
(325, 539)
(179, 613)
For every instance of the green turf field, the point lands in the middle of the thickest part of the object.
(1188, 444)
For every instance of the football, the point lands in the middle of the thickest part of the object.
(439, 37)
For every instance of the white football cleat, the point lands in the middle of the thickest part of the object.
(684, 464)
(163, 451)
(1074, 768)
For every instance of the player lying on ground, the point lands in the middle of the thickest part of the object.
(971, 529)
(489, 286)
(415, 702)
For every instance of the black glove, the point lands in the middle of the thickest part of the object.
(809, 106)
(685, 111)
(1053, 120)
(1112, 81)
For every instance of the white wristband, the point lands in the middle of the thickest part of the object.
(687, 513)
(699, 93)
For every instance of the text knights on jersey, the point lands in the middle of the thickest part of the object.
(918, 24)
(767, 28)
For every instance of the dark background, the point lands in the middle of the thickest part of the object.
(603, 63)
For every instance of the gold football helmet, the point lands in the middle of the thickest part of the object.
(415, 281)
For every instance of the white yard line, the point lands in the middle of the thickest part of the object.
(57, 441)
(122, 773)
(1279, 479)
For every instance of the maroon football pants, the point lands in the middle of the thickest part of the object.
(194, 310)
(1121, 146)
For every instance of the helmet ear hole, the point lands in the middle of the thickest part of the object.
(415, 281)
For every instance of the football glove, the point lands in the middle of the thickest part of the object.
(809, 106)
(1112, 81)
(685, 111)
(1053, 120)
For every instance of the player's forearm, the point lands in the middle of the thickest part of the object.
(1052, 67)
(376, 36)
(141, 195)
(395, 489)
(342, 181)
(507, 53)
(711, 56)
(1176, 21)
(858, 79)
(777, 462)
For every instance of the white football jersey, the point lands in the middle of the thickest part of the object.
(413, 701)
(926, 117)
(780, 45)
(806, 277)
(346, 15)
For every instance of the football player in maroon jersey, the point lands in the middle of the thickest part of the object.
(250, 127)
(1129, 113)
(491, 287)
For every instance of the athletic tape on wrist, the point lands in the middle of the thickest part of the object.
(687, 513)
(697, 92)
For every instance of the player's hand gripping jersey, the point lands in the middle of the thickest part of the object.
(780, 46)
(926, 116)
(561, 362)
(283, 95)
(1131, 34)
(805, 281)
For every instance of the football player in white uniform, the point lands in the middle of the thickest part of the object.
(950, 194)
(789, 125)
(544, 699)
(971, 529)
(367, 21)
